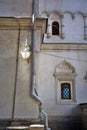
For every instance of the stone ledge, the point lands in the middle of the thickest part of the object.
(82, 105)
(17, 128)
(13, 23)
(64, 46)
(36, 127)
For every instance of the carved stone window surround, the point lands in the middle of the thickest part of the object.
(65, 73)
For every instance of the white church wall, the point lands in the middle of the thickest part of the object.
(25, 106)
(8, 50)
(15, 72)
(72, 29)
(12, 8)
(62, 5)
(47, 84)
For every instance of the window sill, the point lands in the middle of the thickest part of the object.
(70, 102)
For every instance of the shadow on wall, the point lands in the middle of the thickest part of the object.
(83, 107)
(78, 121)
(67, 123)
(71, 122)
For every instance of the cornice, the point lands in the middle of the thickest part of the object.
(23, 23)
(62, 14)
(64, 46)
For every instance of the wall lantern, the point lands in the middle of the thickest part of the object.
(85, 77)
(26, 53)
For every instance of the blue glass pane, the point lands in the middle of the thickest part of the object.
(65, 90)
(66, 93)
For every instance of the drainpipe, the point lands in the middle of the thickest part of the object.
(33, 79)
(33, 74)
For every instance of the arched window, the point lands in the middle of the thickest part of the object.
(55, 28)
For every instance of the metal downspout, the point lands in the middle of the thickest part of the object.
(33, 80)
(33, 74)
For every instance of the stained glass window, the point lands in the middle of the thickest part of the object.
(65, 91)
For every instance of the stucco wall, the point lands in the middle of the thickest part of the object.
(15, 76)
(72, 29)
(13, 8)
(47, 85)
(62, 5)
(23, 8)
(25, 106)
(8, 51)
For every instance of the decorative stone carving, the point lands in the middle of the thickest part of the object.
(44, 15)
(79, 13)
(55, 15)
(64, 66)
(64, 71)
(70, 13)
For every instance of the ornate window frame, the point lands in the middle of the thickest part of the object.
(49, 28)
(65, 73)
